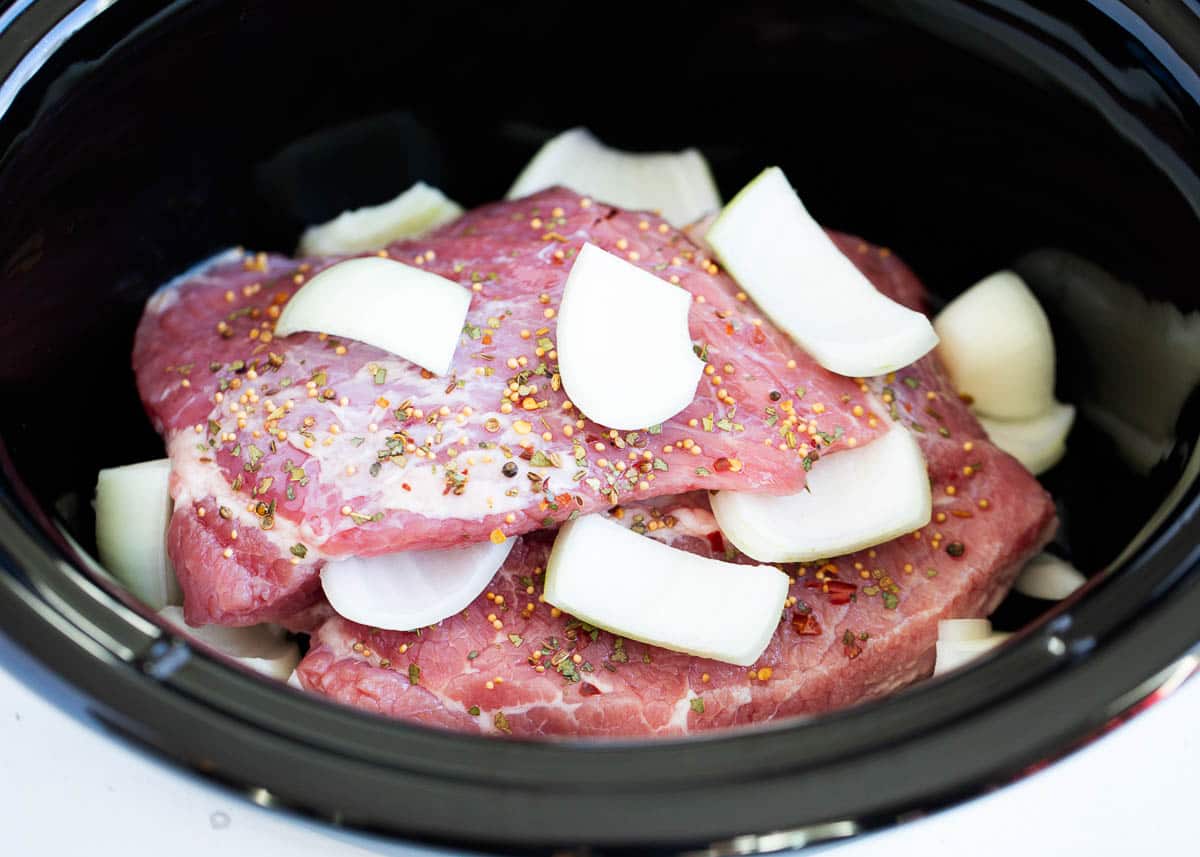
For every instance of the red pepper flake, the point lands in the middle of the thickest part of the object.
(722, 465)
(758, 337)
(588, 689)
(805, 624)
(728, 329)
(526, 453)
(716, 542)
(850, 646)
(405, 486)
(839, 591)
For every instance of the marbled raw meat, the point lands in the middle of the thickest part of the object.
(309, 449)
(856, 628)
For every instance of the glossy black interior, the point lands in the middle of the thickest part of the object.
(964, 135)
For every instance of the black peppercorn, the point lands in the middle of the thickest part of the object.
(509, 469)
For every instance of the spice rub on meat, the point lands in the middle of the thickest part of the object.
(286, 453)
(854, 628)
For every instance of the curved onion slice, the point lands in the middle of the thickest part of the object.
(601, 293)
(997, 345)
(1038, 443)
(393, 306)
(255, 641)
(854, 499)
(958, 630)
(418, 210)
(262, 648)
(133, 507)
(411, 589)
(1049, 578)
(796, 274)
(279, 666)
(679, 184)
(679, 601)
(963, 640)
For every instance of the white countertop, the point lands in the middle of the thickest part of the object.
(66, 787)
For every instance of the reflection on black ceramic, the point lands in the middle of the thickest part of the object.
(964, 135)
(1133, 362)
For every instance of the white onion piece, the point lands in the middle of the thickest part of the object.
(797, 275)
(280, 666)
(601, 293)
(1049, 578)
(399, 308)
(418, 210)
(998, 348)
(679, 184)
(263, 648)
(254, 641)
(959, 630)
(133, 507)
(855, 499)
(1038, 443)
(678, 600)
(411, 589)
(961, 641)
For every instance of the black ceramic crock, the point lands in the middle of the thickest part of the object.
(1063, 138)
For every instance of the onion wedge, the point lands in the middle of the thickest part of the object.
(1039, 443)
(679, 184)
(393, 306)
(418, 210)
(854, 499)
(133, 507)
(262, 648)
(961, 641)
(411, 589)
(1049, 578)
(609, 576)
(601, 292)
(796, 274)
(998, 348)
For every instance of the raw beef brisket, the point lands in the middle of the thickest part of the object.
(288, 452)
(856, 627)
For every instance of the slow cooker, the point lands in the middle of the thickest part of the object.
(969, 135)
